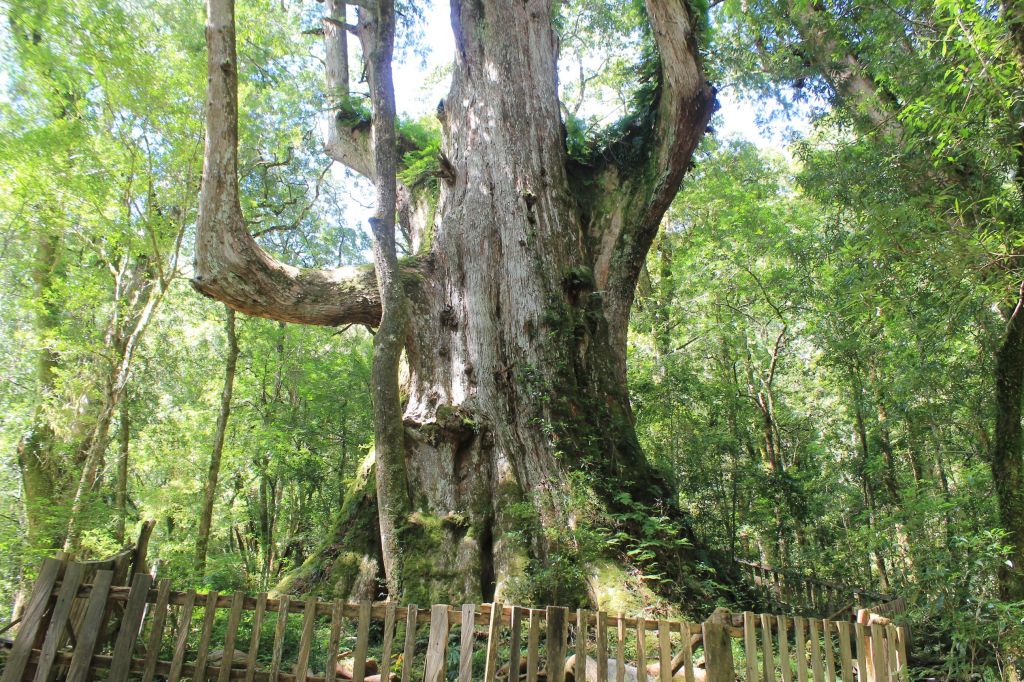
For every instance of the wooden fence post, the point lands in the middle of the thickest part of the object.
(718, 648)
(437, 647)
(33, 620)
(558, 620)
(89, 632)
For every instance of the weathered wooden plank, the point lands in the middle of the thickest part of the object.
(333, 643)
(409, 649)
(750, 645)
(305, 641)
(901, 651)
(620, 649)
(58, 620)
(830, 656)
(800, 644)
(254, 638)
(532, 642)
(641, 648)
(664, 651)
(89, 631)
(493, 639)
(209, 616)
(558, 623)
(863, 673)
(890, 652)
(877, 664)
(767, 653)
(130, 623)
(817, 667)
(602, 646)
(362, 642)
(156, 629)
(437, 646)
(684, 632)
(279, 633)
(845, 651)
(785, 663)
(181, 643)
(231, 636)
(390, 613)
(32, 620)
(580, 673)
(717, 653)
(466, 638)
(515, 644)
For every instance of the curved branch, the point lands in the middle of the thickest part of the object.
(230, 266)
(684, 109)
(628, 216)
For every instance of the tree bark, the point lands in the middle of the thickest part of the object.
(213, 473)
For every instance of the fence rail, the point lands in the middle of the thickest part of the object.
(179, 635)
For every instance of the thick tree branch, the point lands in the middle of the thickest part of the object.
(350, 145)
(844, 72)
(684, 109)
(230, 266)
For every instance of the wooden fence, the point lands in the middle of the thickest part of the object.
(175, 635)
(807, 595)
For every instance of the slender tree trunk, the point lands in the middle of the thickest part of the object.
(121, 485)
(210, 488)
(891, 478)
(137, 295)
(378, 35)
(1007, 459)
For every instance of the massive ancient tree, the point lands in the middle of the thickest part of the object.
(515, 301)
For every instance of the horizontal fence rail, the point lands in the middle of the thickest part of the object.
(176, 635)
(806, 595)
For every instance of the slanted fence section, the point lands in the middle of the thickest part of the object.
(806, 595)
(178, 635)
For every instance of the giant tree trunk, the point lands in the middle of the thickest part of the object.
(517, 425)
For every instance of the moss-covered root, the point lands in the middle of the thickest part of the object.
(348, 564)
(615, 589)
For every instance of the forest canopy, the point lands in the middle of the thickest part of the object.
(571, 302)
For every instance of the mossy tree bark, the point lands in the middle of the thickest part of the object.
(516, 430)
